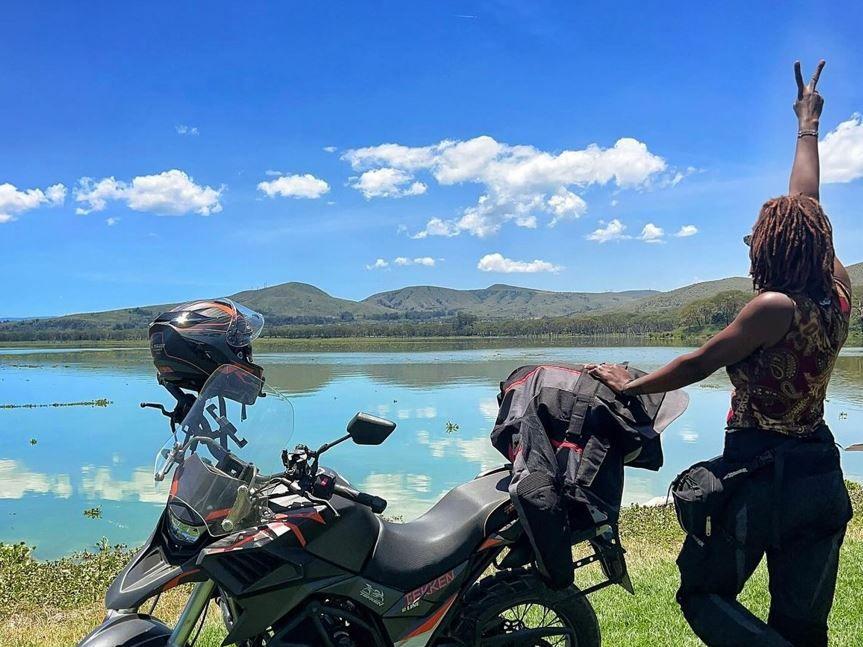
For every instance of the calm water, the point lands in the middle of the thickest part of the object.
(92, 456)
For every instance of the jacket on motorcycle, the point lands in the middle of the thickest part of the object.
(568, 437)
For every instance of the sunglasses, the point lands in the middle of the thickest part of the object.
(747, 240)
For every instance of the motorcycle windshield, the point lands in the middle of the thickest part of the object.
(234, 433)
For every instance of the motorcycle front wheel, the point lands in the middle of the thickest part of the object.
(517, 609)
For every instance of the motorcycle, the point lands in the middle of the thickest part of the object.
(298, 557)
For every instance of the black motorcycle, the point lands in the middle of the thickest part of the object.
(300, 558)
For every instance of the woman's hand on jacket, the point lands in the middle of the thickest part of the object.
(614, 376)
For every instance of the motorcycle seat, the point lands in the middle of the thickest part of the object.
(408, 555)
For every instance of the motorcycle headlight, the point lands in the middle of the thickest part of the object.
(182, 531)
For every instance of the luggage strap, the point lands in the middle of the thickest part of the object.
(776, 457)
(585, 393)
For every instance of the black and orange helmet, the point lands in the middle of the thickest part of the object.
(191, 341)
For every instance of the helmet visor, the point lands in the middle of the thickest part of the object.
(245, 327)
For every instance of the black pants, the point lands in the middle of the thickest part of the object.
(798, 521)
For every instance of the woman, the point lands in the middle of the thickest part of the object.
(779, 353)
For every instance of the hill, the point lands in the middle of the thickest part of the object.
(681, 296)
(281, 304)
(856, 272)
(500, 301)
(301, 300)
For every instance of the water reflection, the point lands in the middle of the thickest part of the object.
(91, 456)
(16, 481)
(100, 483)
(408, 495)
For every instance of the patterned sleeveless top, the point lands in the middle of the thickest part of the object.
(782, 388)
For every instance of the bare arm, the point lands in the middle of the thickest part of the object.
(806, 171)
(762, 322)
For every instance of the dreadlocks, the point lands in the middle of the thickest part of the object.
(792, 247)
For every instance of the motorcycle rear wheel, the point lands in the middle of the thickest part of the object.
(511, 602)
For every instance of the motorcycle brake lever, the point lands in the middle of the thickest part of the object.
(156, 405)
(295, 488)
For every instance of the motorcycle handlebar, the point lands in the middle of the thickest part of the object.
(376, 503)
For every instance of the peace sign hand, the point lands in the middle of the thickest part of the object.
(809, 103)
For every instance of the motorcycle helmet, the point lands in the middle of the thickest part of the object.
(191, 341)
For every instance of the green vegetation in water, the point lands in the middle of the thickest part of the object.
(55, 603)
(93, 513)
(451, 427)
(101, 402)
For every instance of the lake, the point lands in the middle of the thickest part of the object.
(57, 462)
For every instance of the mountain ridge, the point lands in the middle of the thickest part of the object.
(500, 301)
(294, 302)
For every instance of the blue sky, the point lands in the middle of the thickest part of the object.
(520, 129)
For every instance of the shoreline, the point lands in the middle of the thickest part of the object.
(323, 344)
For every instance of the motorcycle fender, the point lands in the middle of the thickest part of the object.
(128, 630)
(146, 575)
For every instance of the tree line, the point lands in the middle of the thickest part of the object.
(697, 317)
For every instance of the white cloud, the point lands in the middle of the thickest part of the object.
(387, 183)
(518, 182)
(438, 227)
(378, 265)
(403, 261)
(498, 263)
(272, 173)
(842, 152)
(651, 234)
(14, 201)
(565, 204)
(97, 194)
(394, 155)
(686, 231)
(295, 186)
(612, 231)
(56, 194)
(112, 221)
(182, 129)
(171, 193)
(330, 149)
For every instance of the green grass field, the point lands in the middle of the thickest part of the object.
(54, 604)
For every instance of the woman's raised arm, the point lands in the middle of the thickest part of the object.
(805, 173)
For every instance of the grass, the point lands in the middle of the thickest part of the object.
(651, 617)
(54, 604)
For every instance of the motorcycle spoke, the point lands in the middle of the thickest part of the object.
(528, 616)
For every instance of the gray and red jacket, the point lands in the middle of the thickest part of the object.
(568, 437)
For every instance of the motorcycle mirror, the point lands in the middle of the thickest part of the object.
(366, 429)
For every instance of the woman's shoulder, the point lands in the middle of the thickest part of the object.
(770, 301)
(767, 313)
(841, 277)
